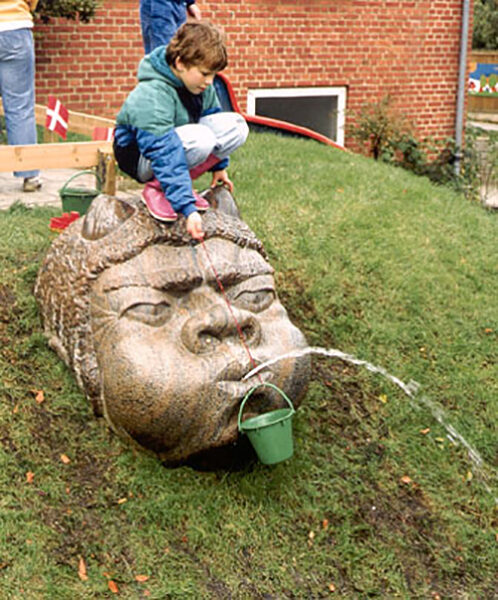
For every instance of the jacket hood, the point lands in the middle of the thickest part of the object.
(154, 66)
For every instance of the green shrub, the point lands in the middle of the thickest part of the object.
(386, 134)
(485, 32)
(84, 10)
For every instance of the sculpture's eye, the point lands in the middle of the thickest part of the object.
(149, 313)
(254, 300)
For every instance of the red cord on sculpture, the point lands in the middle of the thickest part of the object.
(237, 324)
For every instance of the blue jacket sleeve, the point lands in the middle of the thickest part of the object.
(170, 167)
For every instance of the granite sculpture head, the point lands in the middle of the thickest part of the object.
(136, 311)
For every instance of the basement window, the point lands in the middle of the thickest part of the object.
(321, 109)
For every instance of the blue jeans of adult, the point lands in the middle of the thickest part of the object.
(17, 88)
(159, 20)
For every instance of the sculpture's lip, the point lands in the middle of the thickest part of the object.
(237, 389)
(237, 370)
(235, 392)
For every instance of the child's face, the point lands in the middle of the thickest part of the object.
(195, 78)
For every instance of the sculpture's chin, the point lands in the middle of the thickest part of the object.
(212, 440)
(233, 457)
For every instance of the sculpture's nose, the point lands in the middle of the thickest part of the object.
(213, 323)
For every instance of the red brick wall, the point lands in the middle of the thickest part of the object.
(407, 48)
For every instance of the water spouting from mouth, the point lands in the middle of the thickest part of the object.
(483, 470)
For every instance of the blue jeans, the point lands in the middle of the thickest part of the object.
(17, 88)
(159, 20)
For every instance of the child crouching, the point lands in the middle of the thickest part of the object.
(170, 128)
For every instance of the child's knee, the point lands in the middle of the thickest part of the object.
(241, 128)
(205, 141)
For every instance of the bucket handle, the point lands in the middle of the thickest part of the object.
(249, 393)
(85, 172)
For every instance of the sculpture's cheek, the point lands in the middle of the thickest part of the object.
(280, 336)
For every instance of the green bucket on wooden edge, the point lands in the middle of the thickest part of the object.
(79, 198)
(269, 433)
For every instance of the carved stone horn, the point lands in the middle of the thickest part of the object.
(106, 213)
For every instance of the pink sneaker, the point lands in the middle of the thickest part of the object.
(157, 203)
(201, 204)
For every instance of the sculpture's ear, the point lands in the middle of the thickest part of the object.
(106, 213)
(221, 199)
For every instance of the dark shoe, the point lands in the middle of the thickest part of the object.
(201, 204)
(31, 184)
(155, 200)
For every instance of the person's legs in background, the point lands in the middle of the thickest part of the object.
(17, 88)
(159, 20)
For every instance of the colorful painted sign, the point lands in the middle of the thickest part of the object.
(483, 79)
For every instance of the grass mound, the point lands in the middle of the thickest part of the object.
(378, 501)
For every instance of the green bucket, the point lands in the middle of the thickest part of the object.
(269, 433)
(78, 199)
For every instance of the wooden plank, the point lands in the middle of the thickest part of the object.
(78, 122)
(484, 56)
(483, 104)
(52, 156)
(106, 170)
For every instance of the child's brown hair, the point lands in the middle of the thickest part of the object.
(198, 44)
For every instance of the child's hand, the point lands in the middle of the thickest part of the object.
(194, 226)
(194, 11)
(221, 177)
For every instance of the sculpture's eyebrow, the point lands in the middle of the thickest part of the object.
(164, 271)
(161, 278)
(231, 274)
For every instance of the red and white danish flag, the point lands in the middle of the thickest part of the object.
(57, 117)
(103, 134)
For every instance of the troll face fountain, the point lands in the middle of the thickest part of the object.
(136, 311)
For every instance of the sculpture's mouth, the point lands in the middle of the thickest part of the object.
(261, 400)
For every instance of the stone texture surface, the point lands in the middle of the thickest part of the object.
(134, 308)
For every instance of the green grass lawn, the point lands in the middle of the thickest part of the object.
(377, 501)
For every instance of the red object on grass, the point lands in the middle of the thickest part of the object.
(105, 134)
(57, 117)
(60, 223)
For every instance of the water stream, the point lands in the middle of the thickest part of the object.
(480, 468)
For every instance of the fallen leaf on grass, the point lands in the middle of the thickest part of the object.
(425, 431)
(383, 398)
(122, 500)
(325, 523)
(331, 587)
(30, 477)
(406, 479)
(65, 459)
(113, 586)
(39, 396)
(142, 578)
(82, 570)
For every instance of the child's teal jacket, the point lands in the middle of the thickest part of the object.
(148, 118)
